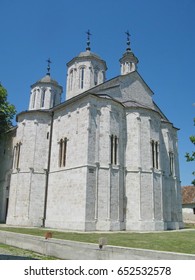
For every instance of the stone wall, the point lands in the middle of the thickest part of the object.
(70, 250)
(7, 142)
(27, 187)
(188, 211)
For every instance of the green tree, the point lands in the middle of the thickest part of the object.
(191, 157)
(7, 111)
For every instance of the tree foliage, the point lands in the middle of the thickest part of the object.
(191, 157)
(7, 111)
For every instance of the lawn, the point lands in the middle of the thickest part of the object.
(182, 241)
(23, 254)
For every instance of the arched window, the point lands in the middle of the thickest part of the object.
(62, 152)
(71, 80)
(16, 155)
(81, 77)
(54, 99)
(96, 76)
(113, 149)
(155, 154)
(103, 76)
(171, 163)
(128, 66)
(33, 98)
(43, 97)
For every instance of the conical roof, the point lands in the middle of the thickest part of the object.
(46, 80)
(85, 56)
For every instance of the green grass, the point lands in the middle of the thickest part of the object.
(11, 250)
(182, 241)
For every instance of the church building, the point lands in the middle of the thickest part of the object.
(106, 159)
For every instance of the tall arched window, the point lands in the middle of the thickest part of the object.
(54, 98)
(43, 97)
(16, 155)
(103, 76)
(113, 149)
(62, 152)
(171, 163)
(155, 154)
(127, 66)
(33, 99)
(71, 80)
(81, 77)
(96, 76)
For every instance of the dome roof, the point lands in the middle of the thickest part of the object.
(90, 54)
(130, 56)
(85, 56)
(46, 80)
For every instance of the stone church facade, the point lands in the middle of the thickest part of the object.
(105, 159)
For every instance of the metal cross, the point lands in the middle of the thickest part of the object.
(88, 40)
(48, 66)
(88, 35)
(128, 40)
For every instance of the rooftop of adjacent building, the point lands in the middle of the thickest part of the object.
(188, 194)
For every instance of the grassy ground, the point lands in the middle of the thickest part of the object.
(182, 241)
(17, 253)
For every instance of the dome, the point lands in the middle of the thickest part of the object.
(47, 80)
(129, 55)
(85, 56)
(90, 54)
(85, 71)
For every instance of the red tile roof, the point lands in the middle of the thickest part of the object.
(188, 194)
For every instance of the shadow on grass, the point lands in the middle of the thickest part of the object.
(12, 257)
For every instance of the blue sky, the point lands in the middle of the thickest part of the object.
(162, 37)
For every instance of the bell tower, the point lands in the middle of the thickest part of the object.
(129, 60)
(45, 93)
(84, 71)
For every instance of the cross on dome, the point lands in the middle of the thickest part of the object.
(128, 40)
(88, 40)
(48, 66)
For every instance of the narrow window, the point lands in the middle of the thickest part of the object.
(43, 98)
(96, 77)
(171, 162)
(127, 66)
(113, 149)
(156, 150)
(194, 211)
(33, 98)
(71, 80)
(155, 154)
(103, 76)
(14, 159)
(54, 99)
(82, 76)
(16, 155)
(62, 152)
